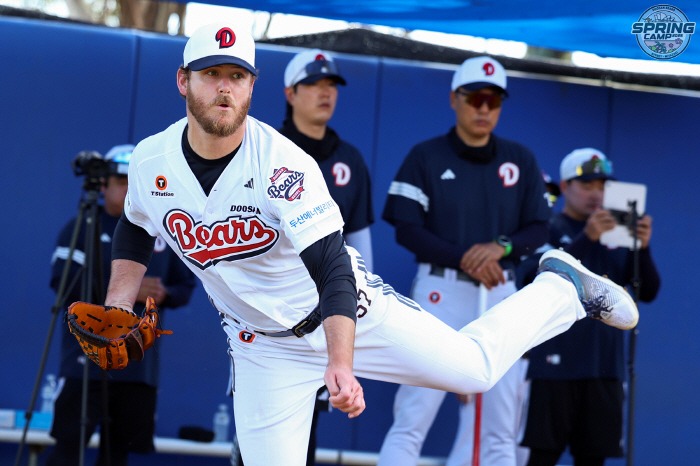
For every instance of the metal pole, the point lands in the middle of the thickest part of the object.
(58, 304)
(632, 384)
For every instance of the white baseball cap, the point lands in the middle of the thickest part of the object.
(223, 43)
(585, 165)
(311, 65)
(118, 159)
(478, 73)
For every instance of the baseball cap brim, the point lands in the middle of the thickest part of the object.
(593, 176)
(214, 60)
(482, 85)
(317, 77)
(120, 170)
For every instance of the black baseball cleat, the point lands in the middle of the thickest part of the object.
(601, 298)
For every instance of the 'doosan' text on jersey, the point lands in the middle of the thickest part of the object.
(243, 240)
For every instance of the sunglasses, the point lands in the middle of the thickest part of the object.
(594, 166)
(477, 99)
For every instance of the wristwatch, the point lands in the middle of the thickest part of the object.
(505, 241)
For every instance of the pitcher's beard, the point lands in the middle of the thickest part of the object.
(217, 126)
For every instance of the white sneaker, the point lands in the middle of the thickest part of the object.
(601, 298)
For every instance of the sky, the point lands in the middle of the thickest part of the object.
(288, 25)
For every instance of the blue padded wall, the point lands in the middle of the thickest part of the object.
(156, 101)
(655, 140)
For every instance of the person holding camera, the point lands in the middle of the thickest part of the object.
(169, 282)
(576, 393)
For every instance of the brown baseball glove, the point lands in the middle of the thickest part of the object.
(112, 336)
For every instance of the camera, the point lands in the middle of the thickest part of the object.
(91, 164)
(622, 217)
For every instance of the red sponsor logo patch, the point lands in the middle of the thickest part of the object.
(286, 184)
(232, 239)
(161, 183)
(246, 336)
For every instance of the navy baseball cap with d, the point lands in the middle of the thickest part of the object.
(223, 43)
(479, 72)
(118, 159)
(310, 66)
(585, 165)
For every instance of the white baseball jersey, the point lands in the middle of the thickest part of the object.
(243, 240)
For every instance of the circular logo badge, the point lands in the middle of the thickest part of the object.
(246, 337)
(161, 183)
(663, 32)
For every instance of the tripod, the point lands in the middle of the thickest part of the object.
(633, 336)
(90, 291)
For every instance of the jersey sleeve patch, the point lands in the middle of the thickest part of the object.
(286, 184)
(300, 221)
(311, 221)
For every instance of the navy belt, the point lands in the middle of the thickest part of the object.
(307, 325)
(439, 271)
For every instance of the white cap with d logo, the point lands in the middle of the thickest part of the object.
(222, 43)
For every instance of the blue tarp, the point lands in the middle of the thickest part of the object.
(595, 26)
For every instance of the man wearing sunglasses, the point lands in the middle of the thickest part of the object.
(468, 204)
(577, 396)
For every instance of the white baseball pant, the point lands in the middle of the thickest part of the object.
(275, 379)
(456, 302)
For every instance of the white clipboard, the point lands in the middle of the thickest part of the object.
(617, 198)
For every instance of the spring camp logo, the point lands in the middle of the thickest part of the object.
(663, 32)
